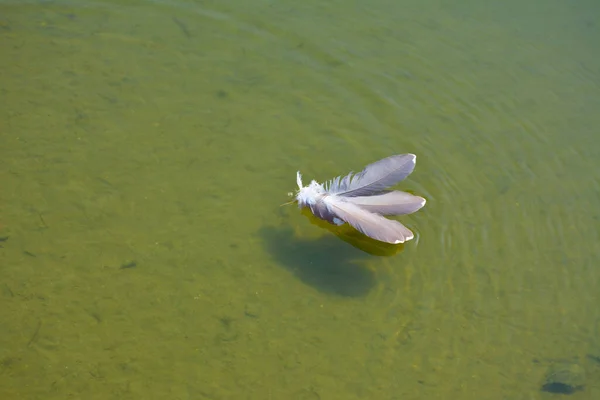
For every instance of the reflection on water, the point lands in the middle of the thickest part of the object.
(167, 133)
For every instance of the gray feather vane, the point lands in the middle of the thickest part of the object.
(362, 199)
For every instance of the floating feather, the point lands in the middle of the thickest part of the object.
(362, 199)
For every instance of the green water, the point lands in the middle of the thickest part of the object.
(146, 148)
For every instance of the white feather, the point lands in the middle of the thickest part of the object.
(358, 199)
(309, 195)
(373, 225)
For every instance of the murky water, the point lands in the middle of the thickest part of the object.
(147, 148)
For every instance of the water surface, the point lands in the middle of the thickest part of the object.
(147, 147)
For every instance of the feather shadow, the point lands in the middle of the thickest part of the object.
(324, 263)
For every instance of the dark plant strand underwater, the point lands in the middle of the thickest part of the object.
(362, 199)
